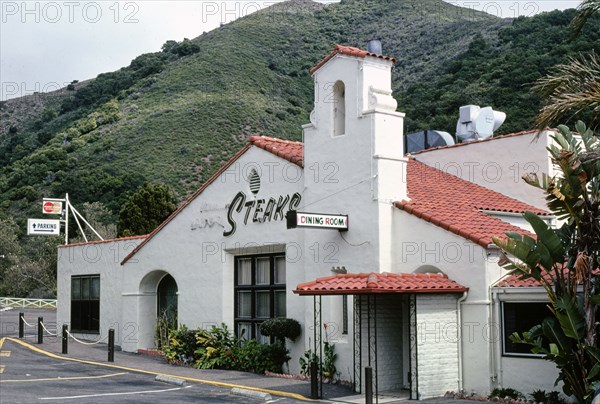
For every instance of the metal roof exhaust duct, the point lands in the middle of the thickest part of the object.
(477, 123)
(374, 46)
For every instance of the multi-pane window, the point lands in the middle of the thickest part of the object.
(259, 293)
(85, 303)
(521, 317)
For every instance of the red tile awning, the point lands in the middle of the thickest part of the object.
(363, 283)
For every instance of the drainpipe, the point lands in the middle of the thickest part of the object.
(495, 363)
(460, 357)
(497, 352)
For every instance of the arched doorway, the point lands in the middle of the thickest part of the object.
(167, 301)
(157, 295)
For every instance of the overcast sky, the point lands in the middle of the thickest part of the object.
(44, 45)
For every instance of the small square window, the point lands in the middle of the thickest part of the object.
(76, 289)
(521, 317)
(263, 304)
(263, 271)
(280, 270)
(244, 330)
(244, 271)
(280, 303)
(244, 304)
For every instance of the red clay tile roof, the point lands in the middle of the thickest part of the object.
(291, 151)
(525, 132)
(437, 197)
(103, 241)
(354, 284)
(456, 205)
(513, 281)
(350, 51)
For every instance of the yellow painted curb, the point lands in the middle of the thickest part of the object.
(213, 383)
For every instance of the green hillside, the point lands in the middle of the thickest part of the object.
(176, 116)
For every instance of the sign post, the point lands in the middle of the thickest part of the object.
(51, 227)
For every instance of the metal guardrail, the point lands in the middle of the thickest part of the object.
(28, 303)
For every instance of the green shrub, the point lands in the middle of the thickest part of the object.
(281, 328)
(305, 362)
(329, 357)
(181, 345)
(541, 396)
(217, 348)
(502, 392)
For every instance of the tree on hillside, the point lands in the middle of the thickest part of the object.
(573, 89)
(147, 208)
(9, 249)
(100, 218)
(27, 266)
(566, 262)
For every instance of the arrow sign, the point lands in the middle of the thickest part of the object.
(52, 207)
(43, 227)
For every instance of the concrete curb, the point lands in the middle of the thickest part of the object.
(269, 392)
(251, 394)
(170, 380)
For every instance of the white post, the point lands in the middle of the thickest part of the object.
(67, 204)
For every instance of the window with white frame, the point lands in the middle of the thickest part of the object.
(259, 293)
(521, 317)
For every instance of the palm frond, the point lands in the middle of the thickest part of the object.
(585, 10)
(573, 88)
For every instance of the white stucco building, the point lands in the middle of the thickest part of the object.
(412, 287)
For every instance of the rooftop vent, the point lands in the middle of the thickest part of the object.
(374, 46)
(427, 139)
(477, 123)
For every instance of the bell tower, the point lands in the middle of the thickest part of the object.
(353, 145)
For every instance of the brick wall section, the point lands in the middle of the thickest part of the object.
(437, 342)
(389, 341)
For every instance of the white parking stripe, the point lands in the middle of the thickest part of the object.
(114, 394)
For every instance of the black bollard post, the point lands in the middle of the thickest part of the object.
(40, 330)
(111, 345)
(65, 340)
(368, 385)
(314, 381)
(21, 325)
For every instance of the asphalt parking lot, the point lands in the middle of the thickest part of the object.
(30, 377)
(39, 373)
(31, 373)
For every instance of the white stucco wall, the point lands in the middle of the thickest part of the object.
(424, 247)
(497, 164)
(201, 259)
(99, 258)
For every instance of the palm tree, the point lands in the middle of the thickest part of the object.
(565, 261)
(573, 89)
